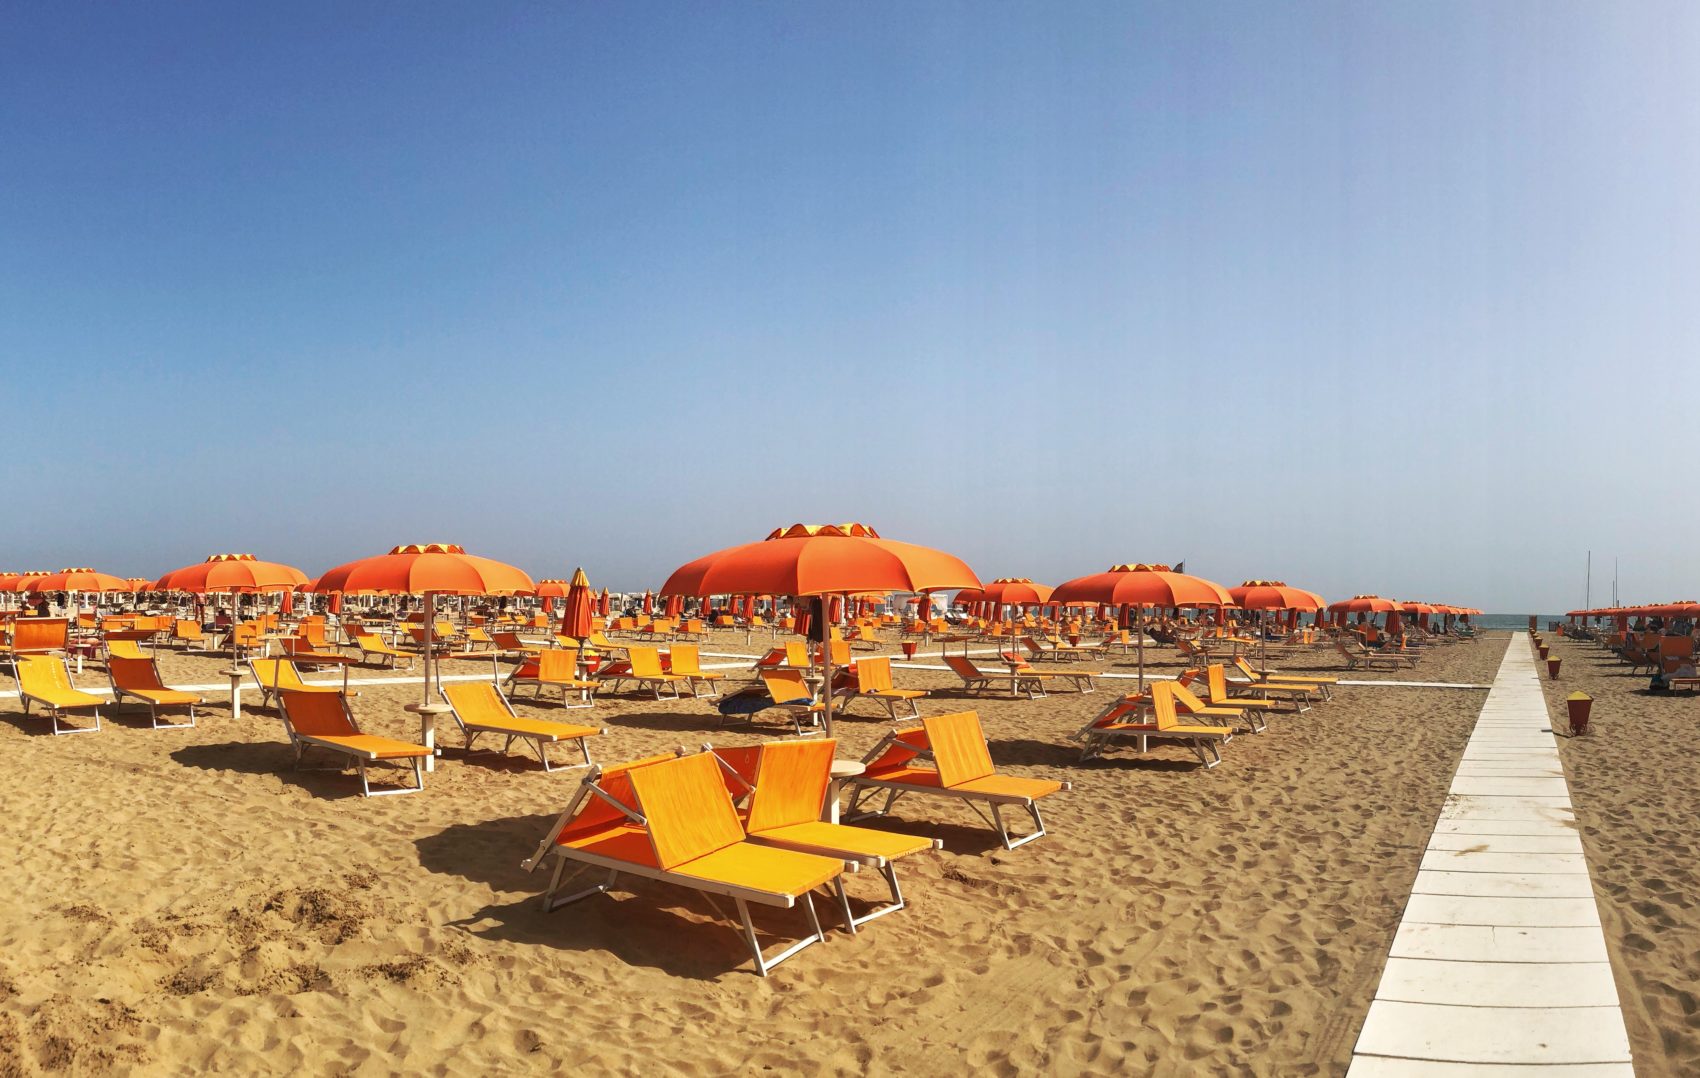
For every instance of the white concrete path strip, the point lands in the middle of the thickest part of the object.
(1499, 965)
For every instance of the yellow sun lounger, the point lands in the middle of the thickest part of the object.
(686, 660)
(1220, 694)
(556, 667)
(140, 678)
(671, 819)
(1125, 720)
(322, 720)
(790, 692)
(280, 675)
(873, 680)
(373, 648)
(44, 680)
(786, 797)
(1324, 686)
(1189, 704)
(1361, 656)
(646, 670)
(480, 708)
(962, 770)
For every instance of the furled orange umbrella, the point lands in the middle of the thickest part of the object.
(575, 619)
(648, 603)
(607, 604)
(822, 559)
(428, 569)
(1142, 585)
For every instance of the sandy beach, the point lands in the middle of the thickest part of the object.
(1632, 783)
(182, 899)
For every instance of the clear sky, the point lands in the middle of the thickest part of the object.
(1401, 297)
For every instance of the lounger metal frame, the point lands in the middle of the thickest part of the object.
(740, 896)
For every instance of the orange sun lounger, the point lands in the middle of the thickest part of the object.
(786, 794)
(687, 663)
(1124, 721)
(139, 678)
(961, 769)
(44, 680)
(1323, 686)
(322, 720)
(557, 667)
(480, 708)
(671, 819)
(873, 680)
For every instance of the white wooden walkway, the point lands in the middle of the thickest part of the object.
(1499, 966)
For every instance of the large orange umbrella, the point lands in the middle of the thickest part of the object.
(822, 559)
(232, 573)
(78, 580)
(549, 590)
(1264, 595)
(575, 619)
(73, 582)
(428, 569)
(1013, 591)
(1141, 585)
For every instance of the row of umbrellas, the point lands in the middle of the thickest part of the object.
(848, 559)
(1685, 608)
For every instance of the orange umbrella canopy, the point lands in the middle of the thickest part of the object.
(76, 580)
(1274, 595)
(552, 588)
(816, 559)
(1363, 604)
(420, 568)
(232, 572)
(575, 620)
(1014, 591)
(1142, 585)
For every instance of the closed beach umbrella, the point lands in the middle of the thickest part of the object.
(575, 619)
(648, 603)
(824, 559)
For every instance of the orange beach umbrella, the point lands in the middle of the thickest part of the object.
(575, 619)
(428, 569)
(1142, 585)
(821, 559)
(234, 573)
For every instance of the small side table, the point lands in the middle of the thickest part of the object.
(841, 769)
(235, 674)
(428, 728)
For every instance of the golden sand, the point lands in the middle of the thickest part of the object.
(182, 899)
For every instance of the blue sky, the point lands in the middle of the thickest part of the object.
(1394, 297)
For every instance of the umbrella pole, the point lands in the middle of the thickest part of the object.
(826, 668)
(1139, 642)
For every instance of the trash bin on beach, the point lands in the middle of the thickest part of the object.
(1579, 704)
(1552, 668)
(1543, 650)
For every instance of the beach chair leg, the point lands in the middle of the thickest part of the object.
(153, 717)
(889, 872)
(551, 902)
(542, 753)
(763, 963)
